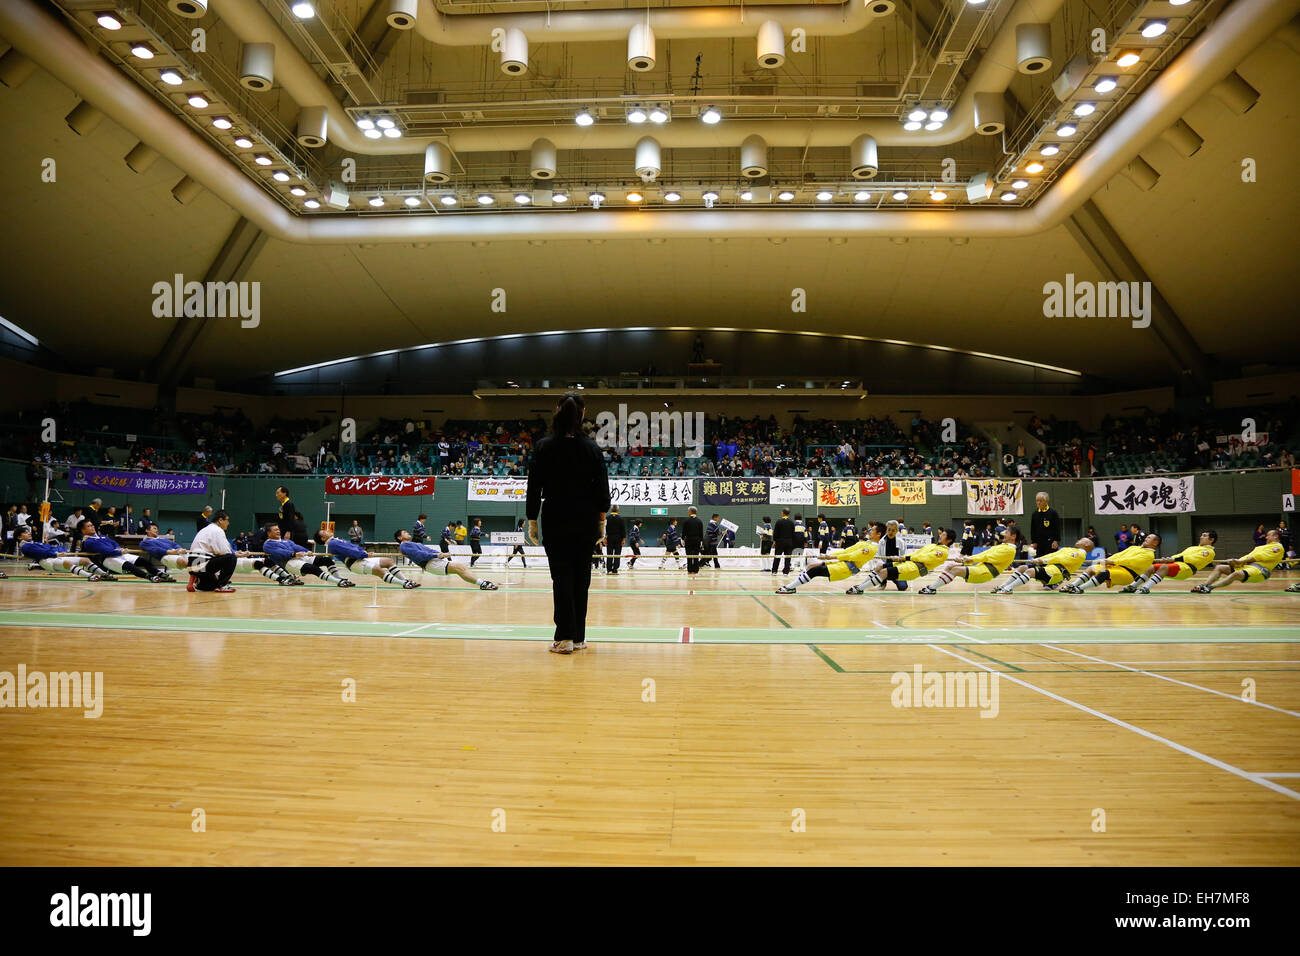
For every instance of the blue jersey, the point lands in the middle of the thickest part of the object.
(281, 551)
(634, 536)
(673, 535)
(101, 544)
(712, 531)
(475, 533)
(156, 547)
(345, 549)
(419, 553)
(446, 534)
(38, 550)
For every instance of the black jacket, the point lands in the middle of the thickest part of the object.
(568, 474)
(692, 530)
(291, 522)
(783, 531)
(615, 530)
(1046, 529)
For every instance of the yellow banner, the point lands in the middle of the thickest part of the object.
(833, 493)
(907, 492)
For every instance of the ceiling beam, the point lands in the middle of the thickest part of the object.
(1108, 252)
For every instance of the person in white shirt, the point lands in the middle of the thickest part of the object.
(217, 558)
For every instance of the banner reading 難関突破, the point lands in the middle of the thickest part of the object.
(733, 491)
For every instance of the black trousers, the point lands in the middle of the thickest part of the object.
(711, 548)
(636, 553)
(692, 563)
(568, 552)
(765, 546)
(782, 548)
(476, 549)
(519, 550)
(216, 573)
(615, 551)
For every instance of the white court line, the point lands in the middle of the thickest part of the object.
(1293, 775)
(964, 637)
(878, 624)
(1172, 680)
(1265, 661)
(416, 629)
(1213, 762)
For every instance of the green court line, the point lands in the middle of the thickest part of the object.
(827, 658)
(970, 650)
(650, 635)
(766, 608)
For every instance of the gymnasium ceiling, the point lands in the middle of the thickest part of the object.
(81, 254)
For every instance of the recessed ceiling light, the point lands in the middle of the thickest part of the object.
(197, 101)
(1105, 84)
(376, 201)
(1178, 3)
(636, 115)
(933, 125)
(385, 122)
(1153, 28)
(1051, 149)
(918, 115)
(584, 118)
(108, 20)
(658, 115)
(280, 176)
(297, 191)
(785, 195)
(1127, 58)
(938, 195)
(1009, 196)
(747, 195)
(171, 78)
(412, 201)
(861, 196)
(1085, 109)
(710, 196)
(1034, 168)
(672, 196)
(222, 122)
(634, 196)
(911, 125)
(243, 142)
(447, 200)
(596, 196)
(392, 132)
(939, 115)
(262, 159)
(1020, 184)
(523, 199)
(303, 10)
(373, 134)
(141, 51)
(560, 197)
(710, 115)
(1066, 129)
(900, 195)
(825, 196)
(365, 122)
(312, 204)
(485, 199)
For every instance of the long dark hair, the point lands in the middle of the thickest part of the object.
(568, 415)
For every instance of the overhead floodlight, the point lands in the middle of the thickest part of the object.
(109, 20)
(584, 118)
(658, 115)
(412, 201)
(303, 10)
(377, 201)
(1154, 28)
(710, 115)
(636, 115)
(485, 199)
(1051, 149)
(171, 77)
(1105, 84)
(785, 195)
(197, 101)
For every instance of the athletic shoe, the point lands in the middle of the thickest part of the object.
(106, 576)
(1050, 587)
(999, 591)
(297, 582)
(1294, 589)
(409, 584)
(490, 586)
(94, 576)
(927, 590)
(856, 589)
(1201, 589)
(194, 578)
(1143, 590)
(1130, 589)
(785, 589)
(1067, 589)
(160, 579)
(3, 576)
(34, 567)
(345, 583)
(224, 589)
(562, 647)
(580, 646)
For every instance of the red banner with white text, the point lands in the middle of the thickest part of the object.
(380, 485)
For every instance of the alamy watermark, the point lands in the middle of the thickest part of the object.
(75, 689)
(75, 909)
(1100, 300)
(946, 689)
(212, 300)
(653, 430)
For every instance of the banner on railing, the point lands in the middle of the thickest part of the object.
(873, 486)
(1144, 496)
(506, 537)
(379, 485)
(792, 491)
(831, 494)
(945, 486)
(497, 489)
(651, 491)
(733, 491)
(906, 492)
(137, 483)
(995, 496)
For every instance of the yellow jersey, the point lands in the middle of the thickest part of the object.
(929, 556)
(1136, 560)
(860, 553)
(460, 534)
(1069, 558)
(1267, 555)
(1197, 556)
(1000, 556)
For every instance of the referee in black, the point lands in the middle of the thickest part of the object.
(1045, 531)
(782, 540)
(693, 535)
(568, 481)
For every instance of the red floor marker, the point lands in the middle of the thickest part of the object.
(686, 635)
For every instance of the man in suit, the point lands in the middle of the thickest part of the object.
(94, 514)
(615, 532)
(711, 535)
(129, 524)
(1045, 530)
(782, 540)
(693, 536)
(204, 519)
(292, 526)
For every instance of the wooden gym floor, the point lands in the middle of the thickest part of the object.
(1121, 735)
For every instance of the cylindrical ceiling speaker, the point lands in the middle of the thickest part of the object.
(641, 48)
(771, 45)
(647, 158)
(313, 126)
(185, 191)
(514, 52)
(1183, 138)
(880, 8)
(15, 68)
(257, 66)
(84, 118)
(141, 157)
(190, 9)
(990, 114)
(437, 163)
(401, 13)
(543, 159)
(1033, 48)
(864, 157)
(1235, 93)
(1141, 173)
(753, 157)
